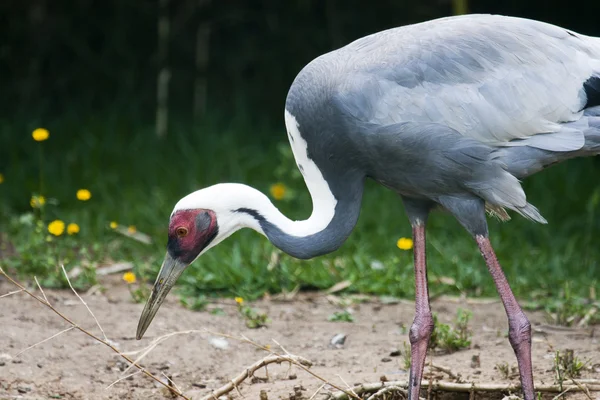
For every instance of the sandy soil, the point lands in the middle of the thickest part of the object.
(73, 366)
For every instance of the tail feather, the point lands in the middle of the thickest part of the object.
(532, 213)
(525, 161)
(521, 162)
(505, 191)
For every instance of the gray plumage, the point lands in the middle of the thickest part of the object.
(451, 109)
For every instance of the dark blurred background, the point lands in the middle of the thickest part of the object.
(88, 55)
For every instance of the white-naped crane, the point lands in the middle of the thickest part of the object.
(449, 113)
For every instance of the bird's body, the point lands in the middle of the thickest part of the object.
(450, 97)
(449, 113)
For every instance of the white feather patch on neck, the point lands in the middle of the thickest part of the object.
(226, 198)
(323, 200)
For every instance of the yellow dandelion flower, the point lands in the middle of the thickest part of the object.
(40, 134)
(404, 243)
(37, 201)
(56, 227)
(239, 300)
(113, 225)
(1, 178)
(278, 191)
(132, 229)
(84, 195)
(72, 228)
(129, 277)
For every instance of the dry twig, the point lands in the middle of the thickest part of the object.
(104, 342)
(317, 391)
(123, 378)
(41, 290)
(83, 302)
(249, 372)
(348, 386)
(380, 394)
(146, 350)
(589, 384)
(451, 374)
(11, 293)
(583, 388)
(45, 340)
(245, 339)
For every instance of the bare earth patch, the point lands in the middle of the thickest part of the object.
(74, 366)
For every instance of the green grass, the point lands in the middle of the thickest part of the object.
(451, 338)
(568, 365)
(341, 316)
(136, 179)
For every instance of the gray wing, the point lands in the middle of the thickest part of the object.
(491, 78)
(456, 166)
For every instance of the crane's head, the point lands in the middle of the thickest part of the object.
(198, 222)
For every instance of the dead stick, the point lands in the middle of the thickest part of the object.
(303, 367)
(451, 374)
(388, 389)
(45, 340)
(249, 371)
(42, 290)
(84, 303)
(583, 388)
(68, 320)
(11, 293)
(467, 387)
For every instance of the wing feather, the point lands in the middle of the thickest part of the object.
(500, 80)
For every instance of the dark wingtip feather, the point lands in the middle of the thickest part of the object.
(592, 91)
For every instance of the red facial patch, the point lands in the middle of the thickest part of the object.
(190, 231)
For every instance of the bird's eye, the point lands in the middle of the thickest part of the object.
(181, 231)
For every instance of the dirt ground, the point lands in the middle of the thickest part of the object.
(74, 366)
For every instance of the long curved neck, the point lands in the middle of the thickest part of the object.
(325, 231)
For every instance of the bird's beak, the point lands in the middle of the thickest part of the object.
(169, 272)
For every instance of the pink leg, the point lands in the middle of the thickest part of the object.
(422, 326)
(519, 332)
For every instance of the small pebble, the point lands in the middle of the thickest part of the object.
(292, 376)
(263, 395)
(298, 392)
(395, 353)
(386, 359)
(338, 341)
(2, 363)
(23, 389)
(199, 385)
(475, 361)
(219, 343)
(39, 365)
